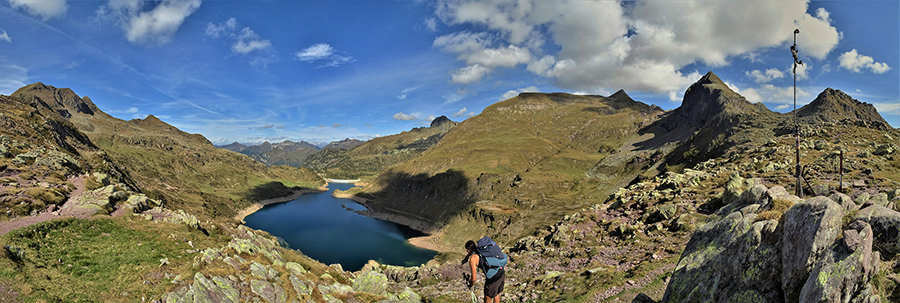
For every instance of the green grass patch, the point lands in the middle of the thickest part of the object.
(100, 259)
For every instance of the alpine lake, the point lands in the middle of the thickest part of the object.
(326, 229)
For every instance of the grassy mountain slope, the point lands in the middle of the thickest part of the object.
(518, 165)
(372, 157)
(184, 171)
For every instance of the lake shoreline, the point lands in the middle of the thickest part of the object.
(256, 206)
(419, 224)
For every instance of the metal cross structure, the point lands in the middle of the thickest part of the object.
(797, 61)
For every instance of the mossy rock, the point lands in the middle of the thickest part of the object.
(370, 282)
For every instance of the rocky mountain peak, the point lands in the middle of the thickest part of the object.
(443, 122)
(708, 98)
(621, 95)
(833, 105)
(63, 100)
(710, 78)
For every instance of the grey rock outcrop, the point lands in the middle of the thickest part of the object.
(809, 229)
(805, 256)
(886, 226)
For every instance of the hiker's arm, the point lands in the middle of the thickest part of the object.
(473, 265)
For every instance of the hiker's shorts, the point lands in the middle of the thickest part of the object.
(493, 287)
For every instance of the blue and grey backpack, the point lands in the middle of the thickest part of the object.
(493, 259)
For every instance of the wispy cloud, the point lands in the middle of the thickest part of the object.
(323, 53)
(406, 91)
(765, 76)
(45, 9)
(4, 36)
(130, 110)
(464, 112)
(12, 77)
(245, 40)
(431, 24)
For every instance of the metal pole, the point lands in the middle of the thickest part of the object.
(794, 51)
(841, 180)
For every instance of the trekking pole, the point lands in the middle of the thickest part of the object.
(466, 280)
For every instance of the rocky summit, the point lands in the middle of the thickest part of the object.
(594, 199)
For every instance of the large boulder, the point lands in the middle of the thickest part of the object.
(803, 257)
(841, 275)
(809, 229)
(726, 260)
(886, 225)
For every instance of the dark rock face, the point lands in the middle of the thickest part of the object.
(834, 106)
(62, 100)
(803, 257)
(443, 122)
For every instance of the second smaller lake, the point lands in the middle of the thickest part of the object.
(318, 226)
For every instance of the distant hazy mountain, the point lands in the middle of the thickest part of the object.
(283, 153)
(354, 158)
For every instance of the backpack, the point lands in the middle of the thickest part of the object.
(493, 259)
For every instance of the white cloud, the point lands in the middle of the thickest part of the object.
(430, 118)
(226, 28)
(12, 77)
(765, 77)
(130, 110)
(323, 51)
(4, 36)
(151, 27)
(645, 47)
(505, 57)
(316, 52)
(245, 40)
(891, 108)
(513, 93)
(751, 95)
(856, 63)
(45, 9)
(431, 24)
(249, 41)
(461, 112)
(801, 70)
(673, 96)
(404, 117)
(463, 43)
(469, 74)
(782, 94)
(782, 107)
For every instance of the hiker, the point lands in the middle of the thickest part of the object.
(487, 256)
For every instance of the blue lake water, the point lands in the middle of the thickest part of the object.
(318, 226)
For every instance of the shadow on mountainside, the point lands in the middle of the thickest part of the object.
(427, 201)
(269, 190)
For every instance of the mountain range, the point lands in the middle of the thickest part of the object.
(595, 198)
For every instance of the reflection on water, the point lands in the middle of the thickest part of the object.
(318, 226)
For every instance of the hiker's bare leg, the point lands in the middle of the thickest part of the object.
(492, 300)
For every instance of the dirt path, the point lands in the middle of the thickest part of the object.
(67, 210)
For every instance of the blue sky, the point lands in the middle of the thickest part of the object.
(319, 71)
